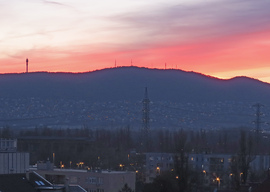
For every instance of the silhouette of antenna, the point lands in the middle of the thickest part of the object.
(145, 120)
(26, 65)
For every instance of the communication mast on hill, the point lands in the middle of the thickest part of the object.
(26, 65)
(145, 131)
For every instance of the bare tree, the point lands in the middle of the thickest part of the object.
(245, 156)
(126, 188)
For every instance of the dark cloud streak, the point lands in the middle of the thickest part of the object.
(53, 3)
(200, 21)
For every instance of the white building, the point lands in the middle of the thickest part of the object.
(221, 162)
(8, 145)
(156, 163)
(12, 161)
(260, 163)
(210, 162)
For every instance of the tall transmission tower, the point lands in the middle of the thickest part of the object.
(145, 120)
(26, 65)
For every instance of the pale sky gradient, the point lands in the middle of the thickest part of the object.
(222, 38)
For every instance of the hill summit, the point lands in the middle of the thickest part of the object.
(127, 83)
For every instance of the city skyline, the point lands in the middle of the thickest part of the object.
(219, 38)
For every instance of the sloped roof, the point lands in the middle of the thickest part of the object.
(76, 188)
(38, 181)
(20, 183)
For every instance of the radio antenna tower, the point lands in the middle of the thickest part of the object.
(145, 120)
(26, 65)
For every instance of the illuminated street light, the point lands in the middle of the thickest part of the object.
(80, 164)
(218, 181)
(241, 177)
(158, 170)
(61, 165)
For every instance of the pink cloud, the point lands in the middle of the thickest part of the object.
(206, 56)
(208, 37)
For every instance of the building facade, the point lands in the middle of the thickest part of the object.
(8, 145)
(213, 168)
(214, 163)
(222, 162)
(260, 163)
(12, 161)
(157, 163)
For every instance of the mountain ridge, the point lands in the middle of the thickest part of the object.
(127, 83)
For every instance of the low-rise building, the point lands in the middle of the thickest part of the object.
(12, 161)
(222, 162)
(213, 168)
(157, 163)
(214, 163)
(260, 163)
(91, 181)
(8, 145)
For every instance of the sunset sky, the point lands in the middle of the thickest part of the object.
(221, 38)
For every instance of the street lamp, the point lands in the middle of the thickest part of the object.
(241, 180)
(158, 170)
(218, 181)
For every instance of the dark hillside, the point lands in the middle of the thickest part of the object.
(127, 83)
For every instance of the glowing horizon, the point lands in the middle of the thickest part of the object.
(222, 39)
